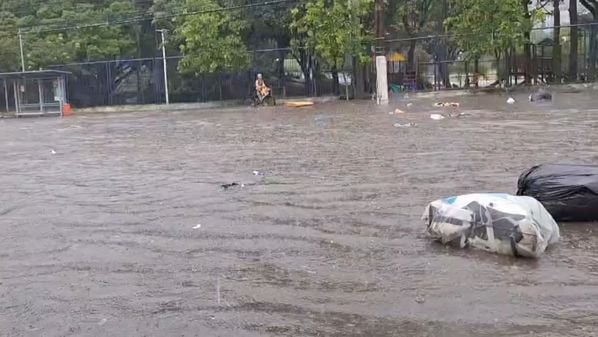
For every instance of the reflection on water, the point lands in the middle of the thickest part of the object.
(99, 217)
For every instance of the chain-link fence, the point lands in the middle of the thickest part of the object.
(141, 81)
(436, 63)
(418, 63)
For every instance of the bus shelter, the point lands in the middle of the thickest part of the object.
(34, 93)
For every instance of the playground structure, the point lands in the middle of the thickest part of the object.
(529, 64)
(34, 93)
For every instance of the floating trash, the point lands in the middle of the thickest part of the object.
(447, 105)
(494, 222)
(227, 186)
(540, 96)
(405, 125)
(569, 192)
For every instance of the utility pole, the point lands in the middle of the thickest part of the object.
(162, 32)
(22, 54)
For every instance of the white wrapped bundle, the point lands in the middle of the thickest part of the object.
(499, 223)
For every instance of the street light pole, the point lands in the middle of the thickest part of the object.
(22, 54)
(162, 31)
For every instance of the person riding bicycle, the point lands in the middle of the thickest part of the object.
(261, 88)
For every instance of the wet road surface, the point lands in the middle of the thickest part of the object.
(99, 217)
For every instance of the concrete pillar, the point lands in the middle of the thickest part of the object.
(381, 80)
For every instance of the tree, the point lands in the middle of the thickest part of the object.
(211, 42)
(9, 44)
(483, 27)
(573, 54)
(556, 39)
(334, 31)
(49, 38)
(592, 6)
(413, 16)
(301, 46)
(270, 28)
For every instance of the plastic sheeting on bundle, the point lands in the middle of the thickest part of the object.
(499, 223)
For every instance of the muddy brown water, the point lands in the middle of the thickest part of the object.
(98, 238)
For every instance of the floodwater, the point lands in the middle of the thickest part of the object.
(99, 220)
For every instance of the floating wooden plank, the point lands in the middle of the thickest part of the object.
(299, 104)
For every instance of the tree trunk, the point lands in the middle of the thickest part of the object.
(556, 49)
(140, 98)
(499, 73)
(411, 54)
(467, 81)
(476, 72)
(573, 55)
(443, 50)
(307, 75)
(359, 79)
(592, 56)
(592, 6)
(282, 43)
(305, 64)
(335, 84)
(526, 48)
(443, 71)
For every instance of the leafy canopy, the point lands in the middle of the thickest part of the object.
(333, 31)
(211, 42)
(482, 27)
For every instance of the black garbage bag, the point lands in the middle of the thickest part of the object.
(568, 192)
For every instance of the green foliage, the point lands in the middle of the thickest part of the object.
(162, 8)
(482, 27)
(211, 42)
(43, 48)
(9, 45)
(414, 15)
(333, 31)
(97, 43)
(102, 42)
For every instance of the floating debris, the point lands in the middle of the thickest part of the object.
(409, 105)
(458, 115)
(447, 105)
(405, 125)
(437, 117)
(227, 186)
(511, 100)
(197, 227)
(540, 96)
(399, 111)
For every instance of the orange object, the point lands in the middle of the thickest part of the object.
(299, 104)
(67, 110)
